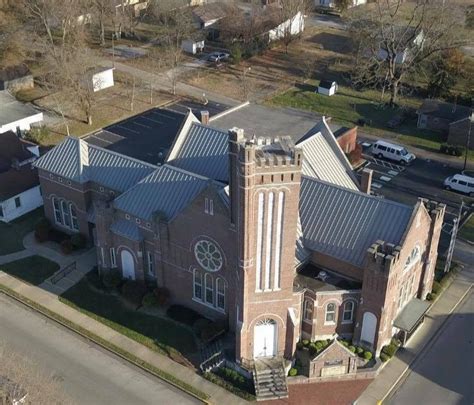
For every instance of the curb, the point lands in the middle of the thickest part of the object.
(229, 111)
(427, 345)
(75, 328)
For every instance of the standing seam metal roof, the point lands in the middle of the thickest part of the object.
(204, 151)
(343, 223)
(167, 190)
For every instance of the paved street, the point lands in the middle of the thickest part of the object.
(445, 373)
(88, 374)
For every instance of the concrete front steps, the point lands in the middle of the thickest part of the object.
(270, 379)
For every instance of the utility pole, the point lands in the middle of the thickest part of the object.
(468, 143)
(452, 242)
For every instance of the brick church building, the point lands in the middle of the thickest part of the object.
(274, 236)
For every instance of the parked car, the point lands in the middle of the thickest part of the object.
(382, 149)
(461, 183)
(218, 56)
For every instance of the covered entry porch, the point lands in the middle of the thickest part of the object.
(410, 318)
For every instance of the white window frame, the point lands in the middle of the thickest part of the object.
(66, 214)
(345, 311)
(74, 223)
(308, 308)
(197, 282)
(58, 216)
(208, 289)
(113, 259)
(327, 312)
(206, 205)
(150, 264)
(211, 206)
(17, 204)
(220, 293)
(102, 255)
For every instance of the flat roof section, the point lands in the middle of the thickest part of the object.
(183, 106)
(147, 136)
(307, 277)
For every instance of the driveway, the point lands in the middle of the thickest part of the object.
(322, 20)
(87, 374)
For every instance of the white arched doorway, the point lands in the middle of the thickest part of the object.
(264, 342)
(128, 265)
(369, 325)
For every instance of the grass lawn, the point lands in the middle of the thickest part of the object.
(467, 230)
(12, 234)
(156, 333)
(33, 269)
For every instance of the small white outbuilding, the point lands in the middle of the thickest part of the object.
(327, 87)
(192, 47)
(102, 78)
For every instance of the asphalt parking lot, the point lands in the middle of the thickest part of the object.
(183, 106)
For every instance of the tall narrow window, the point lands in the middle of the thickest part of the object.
(308, 310)
(330, 313)
(348, 313)
(113, 260)
(278, 237)
(220, 293)
(209, 289)
(66, 214)
(57, 211)
(269, 237)
(261, 202)
(17, 202)
(74, 222)
(211, 207)
(197, 284)
(151, 269)
(206, 205)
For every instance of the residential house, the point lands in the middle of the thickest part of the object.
(15, 78)
(16, 116)
(19, 184)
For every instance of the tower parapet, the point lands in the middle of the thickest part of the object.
(383, 256)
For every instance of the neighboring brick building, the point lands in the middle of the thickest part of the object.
(460, 132)
(272, 237)
(438, 115)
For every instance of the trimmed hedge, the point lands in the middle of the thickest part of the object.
(149, 300)
(293, 372)
(436, 287)
(390, 349)
(384, 357)
(352, 349)
(453, 150)
(368, 355)
(233, 382)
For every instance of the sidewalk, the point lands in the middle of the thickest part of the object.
(403, 360)
(50, 301)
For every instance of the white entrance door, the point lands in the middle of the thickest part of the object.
(369, 324)
(128, 265)
(265, 338)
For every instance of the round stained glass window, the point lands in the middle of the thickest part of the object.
(208, 255)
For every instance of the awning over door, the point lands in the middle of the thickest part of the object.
(411, 315)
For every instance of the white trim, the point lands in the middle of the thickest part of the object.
(258, 265)
(268, 245)
(208, 305)
(113, 259)
(208, 286)
(279, 237)
(218, 282)
(326, 322)
(150, 264)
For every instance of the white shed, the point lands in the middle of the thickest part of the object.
(327, 87)
(193, 47)
(102, 78)
(16, 116)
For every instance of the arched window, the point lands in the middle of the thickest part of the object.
(413, 258)
(348, 312)
(197, 284)
(209, 289)
(66, 214)
(330, 313)
(308, 310)
(57, 211)
(220, 288)
(73, 212)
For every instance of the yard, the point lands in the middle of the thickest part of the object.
(467, 230)
(12, 234)
(33, 269)
(159, 334)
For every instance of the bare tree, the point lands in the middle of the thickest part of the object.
(103, 12)
(291, 17)
(22, 377)
(394, 38)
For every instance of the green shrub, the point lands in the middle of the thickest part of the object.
(313, 349)
(233, 382)
(390, 349)
(37, 134)
(368, 355)
(66, 246)
(162, 295)
(384, 357)
(352, 349)
(112, 279)
(360, 350)
(306, 342)
(293, 372)
(149, 300)
(42, 229)
(345, 343)
(396, 342)
(431, 296)
(236, 53)
(78, 241)
(183, 314)
(133, 292)
(299, 345)
(436, 287)
(453, 150)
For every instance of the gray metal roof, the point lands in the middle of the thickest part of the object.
(203, 151)
(79, 161)
(344, 223)
(323, 159)
(166, 191)
(411, 314)
(12, 110)
(127, 229)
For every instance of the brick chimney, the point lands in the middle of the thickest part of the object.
(366, 180)
(204, 117)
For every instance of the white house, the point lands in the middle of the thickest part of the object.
(332, 3)
(19, 184)
(16, 116)
(294, 25)
(327, 87)
(102, 78)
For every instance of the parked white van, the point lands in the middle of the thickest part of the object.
(460, 182)
(382, 149)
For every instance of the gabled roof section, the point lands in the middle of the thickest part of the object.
(323, 159)
(166, 192)
(343, 223)
(202, 150)
(79, 161)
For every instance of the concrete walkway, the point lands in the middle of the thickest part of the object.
(437, 315)
(50, 301)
